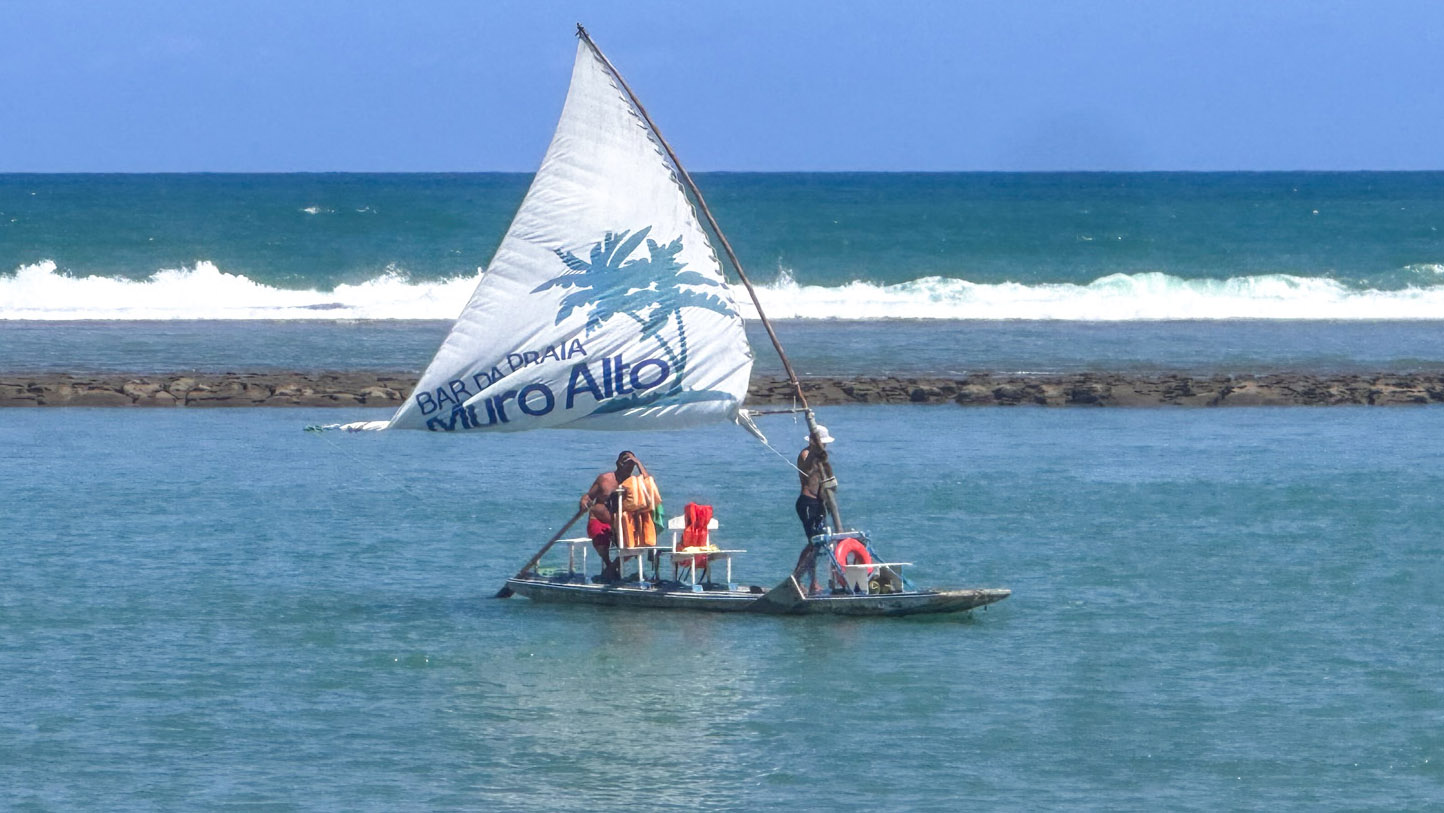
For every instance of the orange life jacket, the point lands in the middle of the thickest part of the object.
(639, 497)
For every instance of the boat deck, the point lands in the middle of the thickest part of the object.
(871, 588)
(785, 599)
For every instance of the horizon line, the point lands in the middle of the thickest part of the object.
(1294, 171)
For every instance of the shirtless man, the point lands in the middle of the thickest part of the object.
(599, 499)
(809, 470)
(810, 508)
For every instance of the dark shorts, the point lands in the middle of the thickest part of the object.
(812, 514)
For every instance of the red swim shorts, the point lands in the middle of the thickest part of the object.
(601, 534)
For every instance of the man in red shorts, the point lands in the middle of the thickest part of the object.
(599, 499)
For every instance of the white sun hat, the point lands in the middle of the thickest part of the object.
(822, 435)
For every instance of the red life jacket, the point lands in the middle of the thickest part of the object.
(698, 518)
(694, 535)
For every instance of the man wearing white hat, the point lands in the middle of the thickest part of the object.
(809, 470)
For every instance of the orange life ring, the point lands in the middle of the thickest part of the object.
(851, 551)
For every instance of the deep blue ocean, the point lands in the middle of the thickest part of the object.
(1185, 232)
(1212, 609)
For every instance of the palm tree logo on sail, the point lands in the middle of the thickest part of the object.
(651, 291)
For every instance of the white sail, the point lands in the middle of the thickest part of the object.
(605, 305)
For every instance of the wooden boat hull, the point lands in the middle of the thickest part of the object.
(632, 594)
(921, 602)
(785, 599)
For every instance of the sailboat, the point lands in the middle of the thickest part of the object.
(606, 307)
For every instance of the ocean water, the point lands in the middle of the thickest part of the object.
(865, 273)
(816, 347)
(1061, 246)
(1212, 609)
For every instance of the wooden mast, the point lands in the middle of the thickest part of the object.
(829, 486)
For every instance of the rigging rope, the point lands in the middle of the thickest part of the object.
(784, 457)
(763, 440)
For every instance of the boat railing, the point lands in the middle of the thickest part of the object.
(689, 564)
(641, 555)
(578, 548)
(875, 577)
(870, 578)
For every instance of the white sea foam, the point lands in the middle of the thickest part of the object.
(203, 291)
(1114, 298)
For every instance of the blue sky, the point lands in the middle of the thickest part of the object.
(324, 85)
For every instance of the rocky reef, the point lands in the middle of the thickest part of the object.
(373, 389)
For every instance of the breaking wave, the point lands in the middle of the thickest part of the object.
(1113, 298)
(203, 291)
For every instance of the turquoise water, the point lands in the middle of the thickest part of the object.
(317, 231)
(1212, 609)
(1062, 246)
(818, 348)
